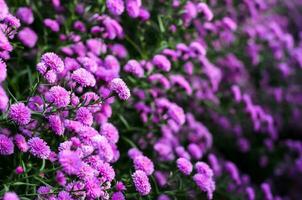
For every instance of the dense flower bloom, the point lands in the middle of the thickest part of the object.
(28, 37)
(116, 7)
(19, 170)
(52, 25)
(21, 142)
(84, 116)
(106, 171)
(119, 86)
(135, 68)
(161, 62)
(56, 124)
(205, 184)
(118, 196)
(184, 166)
(143, 163)
(70, 161)
(203, 168)
(93, 188)
(38, 148)
(6, 145)
(53, 61)
(20, 113)
(141, 182)
(83, 77)
(63, 195)
(10, 196)
(25, 14)
(110, 132)
(58, 96)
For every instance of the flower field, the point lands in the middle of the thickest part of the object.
(151, 99)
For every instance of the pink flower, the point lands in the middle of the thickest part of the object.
(6, 145)
(83, 77)
(119, 86)
(20, 113)
(115, 7)
(184, 166)
(38, 148)
(141, 182)
(143, 163)
(58, 96)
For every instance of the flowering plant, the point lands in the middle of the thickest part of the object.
(131, 99)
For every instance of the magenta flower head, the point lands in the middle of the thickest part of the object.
(84, 116)
(143, 163)
(21, 143)
(83, 78)
(161, 62)
(53, 61)
(10, 196)
(119, 86)
(118, 196)
(58, 96)
(25, 14)
(141, 182)
(19, 170)
(205, 10)
(53, 25)
(70, 162)
(134, 68)
(177, 114)
(28, 37)
(38, 148)
(204, 168)
(133, 7)
(184, 166)
(56, 124)
(3, 99)
(6, 145)
(134, 152)
(195, 151)
(110, 132)
(205, 184)
(3, 71)
(20, 113)
(115, 7)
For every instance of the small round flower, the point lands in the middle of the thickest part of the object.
(52, 25)
(161, 62)
(28, 37)
(118, 196)
(60, 178)
(120, 186)
(177, 114)
(6, 145)
(141, 182)
(93, 189)
(70, 162)
(110, 132)
(10, 196)
(58, 96)
(134, 68)
(56, 124)
(106, 171)
(21, 143)
(143, 163)
(115, 7)
(19, 170)
(25, 14)
(133, 7)
(84, 116)
(53, 61)
(20, 113)
(83, 78)
(163, 197)
(204, 168)
(184, 166)
(205, 184)
(39, 148)
(63, 195)
(119, 86)
(195, 151)
(134, 152)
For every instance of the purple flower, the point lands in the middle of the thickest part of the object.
(110, 132)
(6, 145)
(134, 68)
(133, 7)
(38, 148)
(56, 124)
(163, 197)
(141, 182)
(20, 113)
(10, 196)
(177, 114)
(70, 162)
(184, 166)
(205, 10)
(19, 170)
(205, 184)
(28, 37)
(53, 61)
(93, 188)
(134, 152)
(3, 99)
(120, 186)
(118, 196)
(195, 151)
(83, 77)
(161, 62)
(84, 116)
(106, 171)
(21, 143)
(63, 195)
(115, 7)
(119, 86)
(58, 96)
(25, 14)
(3, 71)
(143, 163)
(52, 25)
(203, 168)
